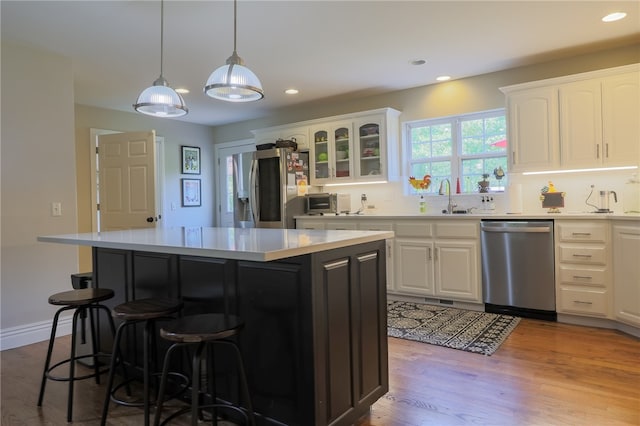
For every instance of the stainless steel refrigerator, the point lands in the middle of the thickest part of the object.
(276, 177)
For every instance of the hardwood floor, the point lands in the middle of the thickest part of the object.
(544, 374)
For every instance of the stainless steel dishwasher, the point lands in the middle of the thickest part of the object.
(518, 273)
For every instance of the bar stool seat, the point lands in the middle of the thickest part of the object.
(203, 331)
(146, 311)
(81, 301)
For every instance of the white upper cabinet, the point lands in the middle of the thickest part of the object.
(358, 147)
(600, 121)
(581, 118)
(331, 151)
(621, 118)
(533, 128)
(586, 120)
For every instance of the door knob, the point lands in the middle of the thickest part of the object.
(150, 219)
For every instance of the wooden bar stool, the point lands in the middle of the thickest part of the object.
(82, 301)
(203, 331)
(145, 311)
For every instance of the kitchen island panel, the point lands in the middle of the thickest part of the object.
(314, 342)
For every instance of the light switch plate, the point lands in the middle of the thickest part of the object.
(56, 209)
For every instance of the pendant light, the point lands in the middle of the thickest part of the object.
(160, 100)
(234, 82)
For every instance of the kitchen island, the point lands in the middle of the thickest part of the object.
(313, 302)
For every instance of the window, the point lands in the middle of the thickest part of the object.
(464, 147)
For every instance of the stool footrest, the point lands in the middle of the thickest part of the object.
(67, 361)
(184, 386)
(187, 409)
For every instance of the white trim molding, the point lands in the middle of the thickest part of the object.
(23, 335)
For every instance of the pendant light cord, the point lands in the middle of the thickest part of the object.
(235, 24)
(161, 35)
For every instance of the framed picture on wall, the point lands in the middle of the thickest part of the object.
(190, 160)
(191, 193)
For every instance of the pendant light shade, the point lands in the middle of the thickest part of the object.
(160, 100)
(233, 81)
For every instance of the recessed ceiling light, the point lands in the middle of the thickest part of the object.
(291, 91)
(443, 78)
(182, 91)
(417, 62)
(616, 16)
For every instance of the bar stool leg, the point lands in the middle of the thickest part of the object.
(163, 382)
(72, 364)
(195, 389)
(47, 362)
(112, 368)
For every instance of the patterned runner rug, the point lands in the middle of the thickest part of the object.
(471, 331)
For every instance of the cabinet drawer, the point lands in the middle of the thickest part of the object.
(457, 229)
(415, 229)
(584, 301)
(582, 276)
(343, 225)
(592, 232)
(583, 254)
(370, 225)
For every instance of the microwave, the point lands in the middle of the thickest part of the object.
(326, 203)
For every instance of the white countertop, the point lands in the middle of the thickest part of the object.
(228, 243)
(478, 216)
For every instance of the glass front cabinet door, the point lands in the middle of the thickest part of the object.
(370, 150)
(331, 153)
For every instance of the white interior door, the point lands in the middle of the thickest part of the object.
(127, 179)
(224, 189)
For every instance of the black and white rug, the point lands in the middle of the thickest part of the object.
(471, 331)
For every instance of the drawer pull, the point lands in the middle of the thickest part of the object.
(582, 277)
(584, 234)
(582, 255)
(582, 303)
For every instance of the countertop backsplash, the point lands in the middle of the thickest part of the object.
(390, 198)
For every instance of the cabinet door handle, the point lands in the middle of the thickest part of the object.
(513, 157)
(580, 302)
(582, 255)
(429, 256)
(597, 150)
(606, 146)
(581, 277)
(436, 253)
(585, 234)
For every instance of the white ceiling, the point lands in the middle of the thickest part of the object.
(326, 49)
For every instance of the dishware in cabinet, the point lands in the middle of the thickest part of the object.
(332, 148)
(370, 152)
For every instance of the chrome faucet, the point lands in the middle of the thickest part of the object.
(450, 205)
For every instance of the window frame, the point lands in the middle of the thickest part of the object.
(456, 158)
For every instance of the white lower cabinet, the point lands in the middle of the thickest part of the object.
(456, 270)
(626, 270)
(414, 266)
(583, 268)
(438, 259)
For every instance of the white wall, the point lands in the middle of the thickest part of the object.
(38, 168)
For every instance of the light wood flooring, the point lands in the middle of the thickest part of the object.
(544, 374)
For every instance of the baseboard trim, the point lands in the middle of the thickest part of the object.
(14, 337)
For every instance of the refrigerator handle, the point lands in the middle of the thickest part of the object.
(253, 201)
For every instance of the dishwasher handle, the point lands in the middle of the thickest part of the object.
(516, 229)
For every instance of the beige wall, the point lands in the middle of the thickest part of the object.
(38, 168)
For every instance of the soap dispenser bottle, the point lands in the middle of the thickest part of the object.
(631, 195)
